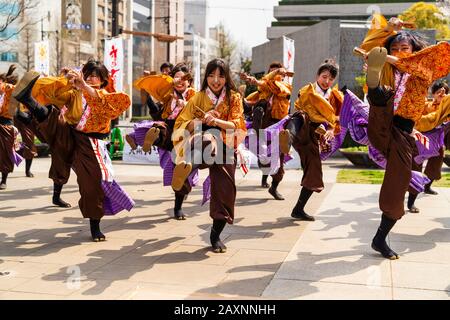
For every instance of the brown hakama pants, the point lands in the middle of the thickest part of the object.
(74, 148)
(266, 122)
(434, 166)
(27, 134)
(223, 187)
(306, 143)
(6, 147)
(399, 148)
(61, 145)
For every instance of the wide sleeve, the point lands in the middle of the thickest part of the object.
(110, 105)
(237, 112)
(318, 109)
(378, 33)
(428, 64)
(432, 120)
(158, 86)
(184, 117)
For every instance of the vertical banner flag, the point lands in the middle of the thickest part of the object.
(42, 57)
(114, 57)
(288, 55)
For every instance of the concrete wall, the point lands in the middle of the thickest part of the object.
(313, 45)
(264, 54)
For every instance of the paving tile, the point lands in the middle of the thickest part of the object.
(307, 290)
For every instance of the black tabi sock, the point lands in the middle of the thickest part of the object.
(4, 177)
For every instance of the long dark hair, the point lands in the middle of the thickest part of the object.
(416, 40)
(224, 69)
(92, 66)
(10, 77)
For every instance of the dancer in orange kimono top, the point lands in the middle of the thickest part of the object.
(90, 111)
(270, 105)
(207, 134)
(435, 113)
(173, 92)
(8, 133)
(401, 68)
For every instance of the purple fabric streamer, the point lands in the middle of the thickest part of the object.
(357, 127)
(436, 142)
(116, 199)
(206, 190)
(265, 147)
(16, 158)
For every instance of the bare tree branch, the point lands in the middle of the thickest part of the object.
(14, 10)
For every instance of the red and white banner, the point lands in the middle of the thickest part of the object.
(288, 55)
(114, 57)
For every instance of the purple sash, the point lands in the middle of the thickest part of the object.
(116, 199)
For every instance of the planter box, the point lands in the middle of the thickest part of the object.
(447, 160)
(360, 159)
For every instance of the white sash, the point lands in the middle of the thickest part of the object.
(102, 156)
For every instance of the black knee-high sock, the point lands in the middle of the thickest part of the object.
(39, 112)
(411, 199)
(57, 188)
(28, 163)
(264, 179)
(24, 117)
(216, 230)
(4, 177)
(179, 199)
(305, 194)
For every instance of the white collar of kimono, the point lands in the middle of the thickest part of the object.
(214, 99)
(325, 94)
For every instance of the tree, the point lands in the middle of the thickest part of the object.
(428, 16)
(11, 13)
(227, 46)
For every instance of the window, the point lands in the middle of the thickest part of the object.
(9, 56)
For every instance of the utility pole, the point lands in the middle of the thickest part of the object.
(168, 30)
(114, 20)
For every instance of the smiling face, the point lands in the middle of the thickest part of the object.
(216, 81)
(182, 85)
(93, 80)
(325, 80)
(401, 48)
(439, 95)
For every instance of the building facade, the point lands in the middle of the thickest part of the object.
(294, 15)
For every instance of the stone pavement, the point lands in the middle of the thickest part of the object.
(46, 252)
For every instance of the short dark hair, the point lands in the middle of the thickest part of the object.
(329, 65)
(275, 65)
(179, 67)
(96, 67)
(166, 65)
(416, 40)
(439, 85)
(224, 69)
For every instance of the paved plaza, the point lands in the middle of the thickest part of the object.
(46, 252)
